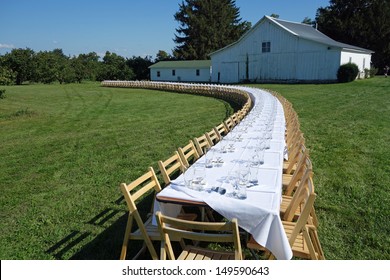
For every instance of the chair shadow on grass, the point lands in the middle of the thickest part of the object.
(107, 244)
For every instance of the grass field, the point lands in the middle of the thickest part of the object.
(65, 149)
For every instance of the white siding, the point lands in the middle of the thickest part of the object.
(291, 58)
(181, 74)
(363, 61)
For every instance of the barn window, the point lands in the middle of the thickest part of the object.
(158, 73)
(197, 72)
(266, 47)
(173, 72)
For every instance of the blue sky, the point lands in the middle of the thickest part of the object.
(126, 27)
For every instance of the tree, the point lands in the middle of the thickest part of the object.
(114, 67)
(206, 26)
(309, 21)
(163, 56)
(52, 66)
(19, 61)
(7, 77)
(140, 66)
(86, 66)
(364, 23)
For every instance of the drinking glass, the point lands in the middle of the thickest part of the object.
(244, 174)
(198, 179)
(253, 174)
(187, 178)
(209, 157)
(258, 157)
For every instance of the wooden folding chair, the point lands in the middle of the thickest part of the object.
(229, 123)
(213, 137)
(290, 181)
(200, 232)
(302, 235)
(235, 118)
(289, 165)
(201, 143)
(290, 209)
(169, 167)
(188, 154)
(221, 130)
(146, 231)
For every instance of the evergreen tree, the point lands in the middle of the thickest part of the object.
(364, 23)
(206, 26)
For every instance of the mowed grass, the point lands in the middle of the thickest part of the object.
(64, 150)
(347, 129)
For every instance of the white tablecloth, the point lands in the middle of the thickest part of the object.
(258, 214)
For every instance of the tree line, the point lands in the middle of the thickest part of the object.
(363, 23)
(25, 65)
(204, 27)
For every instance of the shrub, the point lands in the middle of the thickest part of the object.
(373, 71)
(370, 73)
(7, 77)
(347, 73)
(2, 93)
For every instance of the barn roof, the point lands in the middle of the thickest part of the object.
(182, 64)
(301, 30)
(306, 31)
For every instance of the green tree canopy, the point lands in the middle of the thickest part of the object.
(206, 26)
(114, 67)
(364, 23)
(19, 61)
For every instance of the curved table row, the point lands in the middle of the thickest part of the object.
(262, 131)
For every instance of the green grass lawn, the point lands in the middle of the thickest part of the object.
(66, 148)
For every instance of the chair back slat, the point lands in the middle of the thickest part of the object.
(201, 143)
(171, 166)
(213, 137)
(221, 130)
(188, 154)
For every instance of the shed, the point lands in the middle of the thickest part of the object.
(181, 71)
(279, 50)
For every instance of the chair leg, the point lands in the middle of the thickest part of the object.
(142, 250)
(126, 238)
(254, 255)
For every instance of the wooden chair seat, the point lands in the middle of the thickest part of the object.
(286, 179)
(287, 200)
(301, 248)
(196, 253)
(199, 233)
(286, 165)
(152, 230)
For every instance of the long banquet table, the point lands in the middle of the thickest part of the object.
(258, 213)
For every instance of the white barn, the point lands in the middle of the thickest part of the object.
(181, 71)
(279, 50)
